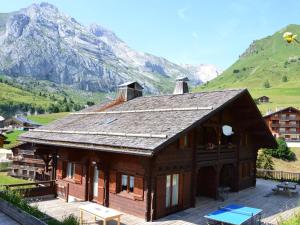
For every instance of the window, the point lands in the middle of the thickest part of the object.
(16, 171)
(70, 170)
(127, 183)
(24, 172)
(172, 190)
(183, 141)
(31, 173)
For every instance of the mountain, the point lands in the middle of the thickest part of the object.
(42, 43)
(269, 66)
(203, 72)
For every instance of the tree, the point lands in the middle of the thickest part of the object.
(266, 84)
(264, 161)
(282, 151)
(284, 78)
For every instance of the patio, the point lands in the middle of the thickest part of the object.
(275, 207)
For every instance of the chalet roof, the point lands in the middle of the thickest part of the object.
(264, 96)
(281, 110)
(23, 120)
(138, 126)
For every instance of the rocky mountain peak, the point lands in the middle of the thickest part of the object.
(43, 43)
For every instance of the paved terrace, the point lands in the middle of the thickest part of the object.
(275, 207)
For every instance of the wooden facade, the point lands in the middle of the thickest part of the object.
(285, 123)
(195, 161)
(28, 165)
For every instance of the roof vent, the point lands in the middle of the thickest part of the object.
(181, 86)
(129, 90)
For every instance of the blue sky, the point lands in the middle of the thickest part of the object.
(186, 31)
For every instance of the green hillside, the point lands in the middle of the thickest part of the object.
(17, 96)
(267, 61)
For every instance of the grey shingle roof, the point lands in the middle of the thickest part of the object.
(164, 123)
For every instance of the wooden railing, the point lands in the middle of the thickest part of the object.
(278, 175)
(33, 189)
(212, 152)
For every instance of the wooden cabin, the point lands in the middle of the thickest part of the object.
(28, 165)
(152, 156)
(285, 123)
(263, 99)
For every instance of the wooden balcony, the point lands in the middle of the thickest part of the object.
(212, 153)
(285, 125)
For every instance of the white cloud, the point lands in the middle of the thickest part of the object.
(181, 13)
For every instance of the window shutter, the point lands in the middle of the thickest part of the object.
(160, 196)
(113, 181)
(78, 173)
(187, 183)
(101, 187)
(139, 187)
(59, 172)
(64, 169)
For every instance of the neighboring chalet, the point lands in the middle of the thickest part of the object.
(263, 99)
(285, 123)
(151, 156)
(21, 122)
(27, 165)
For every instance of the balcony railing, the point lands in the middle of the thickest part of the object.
(212, 152)
(289, 132)
(285, 125)
(288, 118)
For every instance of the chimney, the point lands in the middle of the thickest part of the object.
(129, 90)
(181, 86)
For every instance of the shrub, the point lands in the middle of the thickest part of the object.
(284, 78)
(266, 84)
(236, 71)
(264, 161)
(20, 202)
(70, 220)
(282, 151)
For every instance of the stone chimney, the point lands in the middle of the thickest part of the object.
(181, 86)
(129, 90)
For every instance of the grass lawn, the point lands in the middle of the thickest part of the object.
(293, 166)
(47, 118)
(295, 220)
(12, 138)
(5, 179)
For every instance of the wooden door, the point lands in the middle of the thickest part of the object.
(96, 185)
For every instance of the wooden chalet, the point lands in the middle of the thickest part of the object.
(151, 156)
(285, 123)
(28, 165)
(263, 99)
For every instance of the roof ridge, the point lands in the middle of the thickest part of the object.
(191, 93)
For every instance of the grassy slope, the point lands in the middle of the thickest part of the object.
(12, 138)
(9, 93)
(4, 179)
(288, 166)
(267, 59)
(47, 118)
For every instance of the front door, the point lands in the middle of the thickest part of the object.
(96, 185)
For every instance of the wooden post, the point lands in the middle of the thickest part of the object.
(149, 189)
